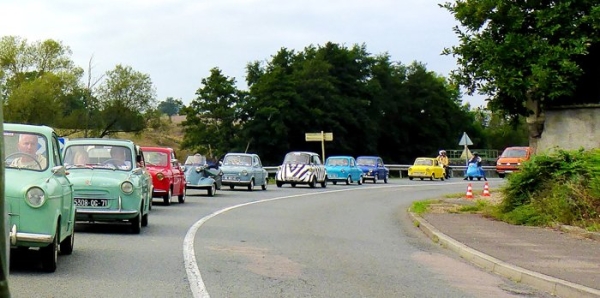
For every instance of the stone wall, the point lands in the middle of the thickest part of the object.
(571, 128)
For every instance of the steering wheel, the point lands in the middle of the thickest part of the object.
(115, 162)
(34, 158)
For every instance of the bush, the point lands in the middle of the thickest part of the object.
(563, 187)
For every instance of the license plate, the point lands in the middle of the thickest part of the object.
(91, 202)
(508, 171)
(333, 175)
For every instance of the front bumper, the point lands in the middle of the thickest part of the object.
(16, 236)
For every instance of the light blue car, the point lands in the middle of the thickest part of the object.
(343, 169)
(243, 169)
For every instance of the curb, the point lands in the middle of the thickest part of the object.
(552, 285)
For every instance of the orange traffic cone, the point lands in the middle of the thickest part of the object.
(486, 190)
(469, 192)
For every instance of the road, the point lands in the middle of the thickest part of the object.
(340, 241)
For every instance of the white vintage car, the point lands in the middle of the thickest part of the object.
(301, 167)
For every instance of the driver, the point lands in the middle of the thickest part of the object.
(119, 157)
(28, 145)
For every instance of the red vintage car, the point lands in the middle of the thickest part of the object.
(168, 177)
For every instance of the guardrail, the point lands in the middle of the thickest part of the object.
(402, 170)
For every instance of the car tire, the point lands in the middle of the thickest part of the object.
(470, 178)
(324, 183)
(375, 178)
(251, 185)
(265, 183)
(348, 180)
(212, 190)
(442, 179)
(136, 223)
(478, 178)
(360, 181)
(49, 254)
(313, 182)
(66, 246)
(293, 184)
(145, 219)
(501, 176)
(432, 177)
(231, 187)
(167, 197)
(279, 184)
(181, 197)
(334, 182)
(385, 179)
(421, 179)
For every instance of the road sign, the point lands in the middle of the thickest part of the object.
(318, 136)
(465, 140)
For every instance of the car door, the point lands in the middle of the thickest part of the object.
(380, 168)
(178, 176)
(145, 176)
(67, 205)
(257, 169)
(319, 168)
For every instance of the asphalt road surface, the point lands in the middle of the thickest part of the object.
(339, 241)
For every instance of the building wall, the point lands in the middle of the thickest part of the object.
(571, 129)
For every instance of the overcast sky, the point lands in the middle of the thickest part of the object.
(177, 42)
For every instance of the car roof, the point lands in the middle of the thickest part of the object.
(246, 154)
(304, 152)
(340, 156)
(161, 149)
(100, 141)
(425, 158)
(46, 130)
(368, 156)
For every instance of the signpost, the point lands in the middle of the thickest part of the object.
(465, 141)
(319, 137)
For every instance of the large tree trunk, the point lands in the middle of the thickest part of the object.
(535, 123)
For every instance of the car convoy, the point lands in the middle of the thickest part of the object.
(52, 186)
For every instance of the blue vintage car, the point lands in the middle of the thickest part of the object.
(110, 181)
(343, 169)
(38, 193)
(200, 175)
(373, 168)
(243, 169)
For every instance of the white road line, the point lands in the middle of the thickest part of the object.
(189, 258)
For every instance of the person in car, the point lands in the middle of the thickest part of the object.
(28, 144)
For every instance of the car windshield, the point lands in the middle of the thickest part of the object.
(155, 158)
(337, 162)
(296, 158)
(24, 150)
(423, 162)
(237, 160)
(98, 156)
(196, 159)
(366, 161)
(514, 153)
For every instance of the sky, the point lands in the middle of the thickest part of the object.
(177, 42)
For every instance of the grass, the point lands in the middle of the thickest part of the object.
(420, 207)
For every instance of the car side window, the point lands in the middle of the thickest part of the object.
(56, 151)
(352, 162)
(316, 159)
(257, 161)
(380, 163)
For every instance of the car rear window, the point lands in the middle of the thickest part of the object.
(514, 153)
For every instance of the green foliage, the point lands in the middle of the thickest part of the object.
(420, 207)
(480, 205)
(519, 50)
(561, 187)
(170, 106)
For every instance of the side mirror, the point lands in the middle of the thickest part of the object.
(138, 158)
(59, 171)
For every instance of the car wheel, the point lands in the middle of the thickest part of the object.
(279, 184)
(360, 181)
(212, 190)
(66, 246)
(167, 197)
(375, 178)
(385, 179)
(49, 254)
(181, 197)
(264, 186)
(324, 183)
(471, 178)
(231, 187)
(251, 185)
(421, 179)
(478, 178)
(136, 223)
(334, 182)
(293, 184)
(313, 182)
(145, 220)
(348, 180)
(442, 178)
(501, 175)
(410, 178)
(432, 177)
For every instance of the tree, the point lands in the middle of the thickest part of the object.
(527, 55)
(170, 106)
(123, 97)
(212, 119)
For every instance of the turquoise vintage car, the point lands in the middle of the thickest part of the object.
(244, 169)
(110, 181)
(343, 169)
(200, 175)
(38, 193)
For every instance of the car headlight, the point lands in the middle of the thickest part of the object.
(35, 197)
(370, 171)
(127, 187)
(160, 176)
(518, 163)
(244, 172)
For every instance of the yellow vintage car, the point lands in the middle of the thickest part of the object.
(426, 167)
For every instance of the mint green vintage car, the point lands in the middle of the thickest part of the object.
(110, 181)
(39, 196)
